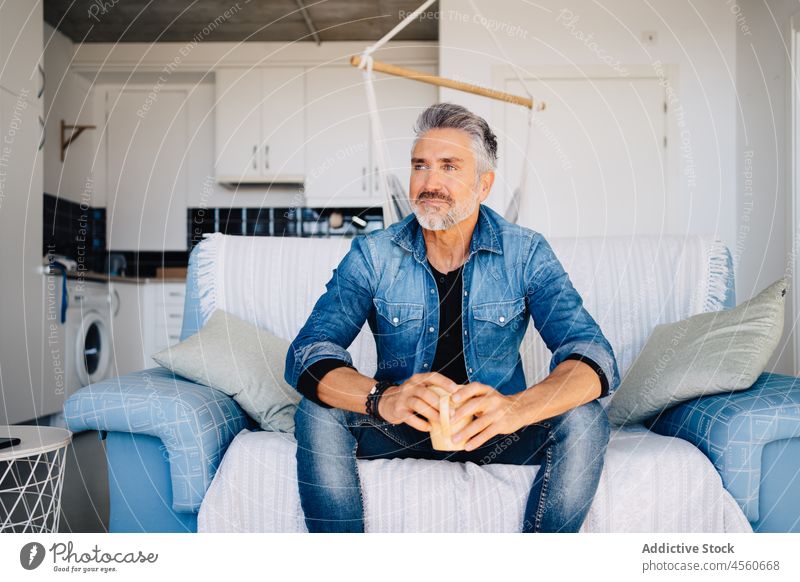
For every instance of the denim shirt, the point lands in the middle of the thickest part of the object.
(511, 274)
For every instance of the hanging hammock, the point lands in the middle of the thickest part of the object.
(398, 205)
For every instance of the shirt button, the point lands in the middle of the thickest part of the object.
(465, 293)
(441, 279)
(430, 328)
(425, 365)
(502, 319)
(465, 332)
(470, 370)
(433, 291)
(394, 319)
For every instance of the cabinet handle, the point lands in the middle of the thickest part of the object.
(41, 73)
(174, 315)
(175, 294)
(116, 302)
(363, 178)
(266, 157)
(377, 181)
(255, 153)
(44, 133)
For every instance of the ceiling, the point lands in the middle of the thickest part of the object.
(253, 20)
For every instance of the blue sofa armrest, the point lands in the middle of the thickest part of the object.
(733, 430)
(196, 423)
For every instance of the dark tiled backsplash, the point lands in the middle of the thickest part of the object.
(79, 231)
(304, 222)
(75, 230)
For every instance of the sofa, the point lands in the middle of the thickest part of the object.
(183, 457)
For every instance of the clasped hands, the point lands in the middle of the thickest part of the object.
(415, 402)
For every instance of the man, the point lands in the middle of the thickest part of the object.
(447, 293)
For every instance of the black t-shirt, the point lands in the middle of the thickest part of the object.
(449, 358)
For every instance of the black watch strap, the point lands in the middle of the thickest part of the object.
(374, 397)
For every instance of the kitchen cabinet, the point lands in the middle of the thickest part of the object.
(147, 141)
(147, 318)
(260, 126)
(337, 148)
(342, 163)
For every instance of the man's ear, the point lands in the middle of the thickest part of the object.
(486, 180)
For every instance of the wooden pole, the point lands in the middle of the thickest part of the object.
(381, 67)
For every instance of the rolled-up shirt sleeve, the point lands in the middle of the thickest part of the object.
(309, 380)
(558, 313)
(598, 369)
(335, 321)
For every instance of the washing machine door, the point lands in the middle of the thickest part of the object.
(92, 349)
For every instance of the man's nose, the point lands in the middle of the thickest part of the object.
(433, 181)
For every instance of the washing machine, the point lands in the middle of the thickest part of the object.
(80, 331)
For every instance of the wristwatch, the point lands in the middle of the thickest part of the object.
(374, 396)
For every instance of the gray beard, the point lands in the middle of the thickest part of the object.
(433, 221)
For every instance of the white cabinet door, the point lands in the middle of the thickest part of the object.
(21, 46)
(238, 123)
(146, 170)
(400, 101)
(147, 319)
(283, 123)
(128, 328)
(337, 146)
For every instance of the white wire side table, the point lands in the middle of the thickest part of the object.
(31, 478)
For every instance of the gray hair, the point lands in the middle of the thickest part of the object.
(450, 115)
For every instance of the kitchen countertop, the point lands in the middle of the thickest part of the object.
(106, 278)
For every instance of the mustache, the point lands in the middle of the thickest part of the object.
(430, 195)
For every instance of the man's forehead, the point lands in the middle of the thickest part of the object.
(444, 144)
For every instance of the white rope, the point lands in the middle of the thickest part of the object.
(391, 214)
(379, 140)
(400, 26)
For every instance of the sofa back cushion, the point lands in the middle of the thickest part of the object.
(629, 284)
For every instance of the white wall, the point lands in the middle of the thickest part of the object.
(763, 121)
(67, 96)
(731, 61)
(699, 38)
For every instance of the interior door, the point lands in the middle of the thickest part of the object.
(146, 171)
(597, 162)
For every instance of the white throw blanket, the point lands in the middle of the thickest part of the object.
(650, 483)
(629, 284)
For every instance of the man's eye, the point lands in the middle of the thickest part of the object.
(419, 166)
(449, 167)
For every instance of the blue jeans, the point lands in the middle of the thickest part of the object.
(569, 448)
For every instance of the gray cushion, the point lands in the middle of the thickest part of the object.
(708, 353)
(242, 361)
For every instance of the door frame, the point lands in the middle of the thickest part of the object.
(793, 179)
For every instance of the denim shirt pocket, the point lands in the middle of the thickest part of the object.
(399, 327)
(498, 327)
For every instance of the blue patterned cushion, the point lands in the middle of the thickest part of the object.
(732, 429)
(196, 423)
